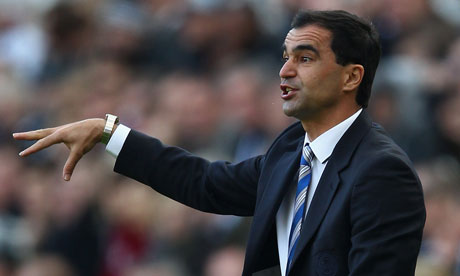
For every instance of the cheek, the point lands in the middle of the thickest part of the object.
(316, 83)
(310, 78)
(331, 80)
(321, 77)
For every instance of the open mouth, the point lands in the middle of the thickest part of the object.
(287, 91)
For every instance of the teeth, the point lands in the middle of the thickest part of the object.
(288, 89)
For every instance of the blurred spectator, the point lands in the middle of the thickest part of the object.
(14, 235)
(129, 210)
(69, 29)
(18, 31)
(449, 124)
(244, 129)
(227, 261)
(73, 231)
(6, 265)
(440, 252)
(160, 268)
(45, 265)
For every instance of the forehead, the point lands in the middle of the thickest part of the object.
(317, 36)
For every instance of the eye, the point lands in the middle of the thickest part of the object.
(305, 59)
(284, 58)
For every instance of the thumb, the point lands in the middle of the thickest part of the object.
(70, 164)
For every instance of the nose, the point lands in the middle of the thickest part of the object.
(288, 70)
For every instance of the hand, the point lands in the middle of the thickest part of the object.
(80, 137)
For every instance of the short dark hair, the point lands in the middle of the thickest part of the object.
(354, 41)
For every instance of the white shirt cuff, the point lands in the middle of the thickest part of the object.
(117, 140)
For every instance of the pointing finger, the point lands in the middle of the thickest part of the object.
(34, 134)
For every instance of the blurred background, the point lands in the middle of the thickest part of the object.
(203, 75)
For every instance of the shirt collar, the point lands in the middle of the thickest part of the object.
(323, 146)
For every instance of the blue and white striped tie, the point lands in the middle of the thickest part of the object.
(299, 205)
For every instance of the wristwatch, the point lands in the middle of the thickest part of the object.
(110, 121)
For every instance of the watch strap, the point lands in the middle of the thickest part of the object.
(110, 121)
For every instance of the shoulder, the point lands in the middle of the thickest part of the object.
(381, 146)
(379, 156)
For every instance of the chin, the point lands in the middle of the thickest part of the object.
(297, 113)
(289, 112)
(289, 109)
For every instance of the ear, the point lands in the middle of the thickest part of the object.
(353, 76)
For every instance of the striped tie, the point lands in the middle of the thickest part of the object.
(299, 206)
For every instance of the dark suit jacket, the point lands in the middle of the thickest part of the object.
(366, 217)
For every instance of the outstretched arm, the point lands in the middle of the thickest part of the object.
(79, 137)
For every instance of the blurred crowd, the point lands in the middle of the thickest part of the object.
(202, 75)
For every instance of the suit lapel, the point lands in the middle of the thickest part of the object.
(278, 184)
(281, 175)
(330, 179)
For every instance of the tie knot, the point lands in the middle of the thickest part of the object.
(308, 154)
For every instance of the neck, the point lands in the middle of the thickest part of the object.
(323, 122)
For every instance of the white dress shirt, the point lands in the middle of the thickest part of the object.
(322, 148)
(117, 140)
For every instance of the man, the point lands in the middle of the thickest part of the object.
(333, 195)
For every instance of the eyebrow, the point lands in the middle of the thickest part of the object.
(302, 47)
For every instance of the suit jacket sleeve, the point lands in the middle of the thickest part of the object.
(387, 218)
(217, 187)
